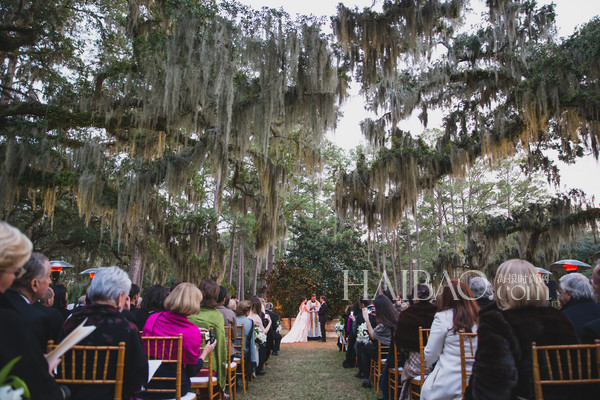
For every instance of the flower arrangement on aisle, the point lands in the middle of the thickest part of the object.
(339, 327)
(362, 334)
(11, 386)
(259, 337)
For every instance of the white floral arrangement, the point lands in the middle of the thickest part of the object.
(362, 334)
(278, 327)
(339, 327)
(259, 337)
(12, 387)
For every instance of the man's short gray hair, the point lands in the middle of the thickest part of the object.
(108, 283)
(578, 285)
(269, 306)
(35, 268)
(481, 288)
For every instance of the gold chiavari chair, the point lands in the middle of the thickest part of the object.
(468, 347)
(565, 364)
(92, 365)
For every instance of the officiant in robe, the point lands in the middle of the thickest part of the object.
(314, 328)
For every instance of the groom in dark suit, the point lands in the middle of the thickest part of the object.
(323, 317)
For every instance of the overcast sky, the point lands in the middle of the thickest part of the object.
(570, 13)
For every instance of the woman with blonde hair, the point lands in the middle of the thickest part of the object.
(16, 335)
(521, 315)
(182, 302)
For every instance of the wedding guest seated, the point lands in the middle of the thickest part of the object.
(228, 315)
(591, 330)
(256, 315)
(153, 301)
(60, 300)
(482, 291)
(420, 313)
(107, 292)
(456, 312)
(16, 335)
(210, 317)
(48, 299)
(273, 337)
(232, 304)
(181, 302)
(387, 318)
(250, 353)
(350, 360)
(27, 290)
(577, 300)
(521, 315)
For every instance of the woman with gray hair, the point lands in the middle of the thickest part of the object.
(576, 298)
(482, 291)
(108, 292)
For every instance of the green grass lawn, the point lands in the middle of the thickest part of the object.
(307, 371)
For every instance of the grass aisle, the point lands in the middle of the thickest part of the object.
(310, 370)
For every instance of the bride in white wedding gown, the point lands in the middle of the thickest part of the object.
(299, 331)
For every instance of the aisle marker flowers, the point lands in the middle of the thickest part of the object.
(259, 337)
(362, 334)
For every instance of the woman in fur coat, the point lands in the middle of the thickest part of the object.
(521, 315)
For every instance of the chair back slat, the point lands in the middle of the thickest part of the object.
(423, 338)
(168, 349)
(74, 368)
(559, 368)
(467, 353)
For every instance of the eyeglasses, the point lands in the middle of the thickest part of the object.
(19, 272)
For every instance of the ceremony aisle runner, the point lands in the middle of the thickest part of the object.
(304, 371)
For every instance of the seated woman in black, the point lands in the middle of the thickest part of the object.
(107, 292)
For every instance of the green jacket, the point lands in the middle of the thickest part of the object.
(212, 318)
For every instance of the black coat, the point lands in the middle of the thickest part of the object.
(111, 328)
(323, 312)
(503, 361)
(44, 322)
(590, 331)
(580, 313)
(419, 314)
(17, 338)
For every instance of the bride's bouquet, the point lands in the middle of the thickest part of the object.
(278, 329)
(362, 334)
(259, 337)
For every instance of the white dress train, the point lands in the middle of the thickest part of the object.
(299, 331)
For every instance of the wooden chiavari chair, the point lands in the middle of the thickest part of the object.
(168, 349)
(241, 361)
(417, 382)
(565, 364)
(468, 347)
(92, 365)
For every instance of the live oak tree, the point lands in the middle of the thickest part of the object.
(123, 105)
(505, 86)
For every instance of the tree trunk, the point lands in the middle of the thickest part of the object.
(136, 270)
(240, 270)
(385, 286)
(256, 268)
(231, 251)
(411, 282)
(418, 244)
(393, 261)
(271, 258)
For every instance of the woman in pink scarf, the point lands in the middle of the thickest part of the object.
(184, 300)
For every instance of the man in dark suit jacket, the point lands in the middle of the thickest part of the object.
(26, 291)
(323, 318)
(591, 330)
(273, 337)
